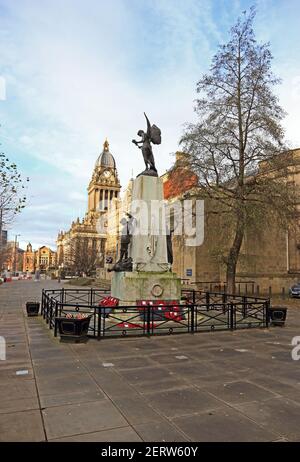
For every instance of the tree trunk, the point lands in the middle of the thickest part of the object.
(240, 226)
(233, 256)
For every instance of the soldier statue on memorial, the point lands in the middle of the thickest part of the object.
(125, 262)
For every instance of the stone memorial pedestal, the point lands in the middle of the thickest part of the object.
(151, 278)
(129, 287)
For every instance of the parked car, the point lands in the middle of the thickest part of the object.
(295, 290)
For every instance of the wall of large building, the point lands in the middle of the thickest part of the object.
(269, 257)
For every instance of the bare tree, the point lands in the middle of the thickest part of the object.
(84, 255)
(236, 146)
(12, 194)
(5, 253)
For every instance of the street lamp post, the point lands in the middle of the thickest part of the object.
(15, 252)
(2, 222)
(1, 226)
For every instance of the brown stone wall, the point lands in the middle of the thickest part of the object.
(268, 258)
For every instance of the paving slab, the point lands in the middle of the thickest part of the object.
(183, 401)
(17, 388)
(136, 410)
(190, 370)
(286, 372)
(9, 372)
(53, 369)
(223, 425)
(124, 434)
(110, 382)
(171, 357)
(239, 392)
(131, 362)
(160, 432)
(279, 415)
(61, 399)
(50, 353)
(69, 382)
(22, 426)
(81, 418)
(275, 385)
(146, 374)
(19, 404)
(159, 386)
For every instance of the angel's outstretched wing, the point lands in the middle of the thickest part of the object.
(148, 126)
(153, 132)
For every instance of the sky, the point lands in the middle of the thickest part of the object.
(73, 72)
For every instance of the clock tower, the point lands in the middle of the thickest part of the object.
(104, 185)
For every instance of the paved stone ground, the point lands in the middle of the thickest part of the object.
(221, 386)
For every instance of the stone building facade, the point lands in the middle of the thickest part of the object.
(43, 259)
(103, 191)
(29, 262)
(269, 261)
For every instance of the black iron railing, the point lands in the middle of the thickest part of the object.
(200, 311)
(241, 287)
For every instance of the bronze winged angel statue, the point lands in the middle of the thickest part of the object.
(152, 135)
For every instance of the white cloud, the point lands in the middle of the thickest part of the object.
(78, 93)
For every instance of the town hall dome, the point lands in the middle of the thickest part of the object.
(106, 159)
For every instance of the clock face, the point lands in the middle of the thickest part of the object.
(107, 174)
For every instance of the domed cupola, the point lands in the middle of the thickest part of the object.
(105, 159)
(104, 186)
